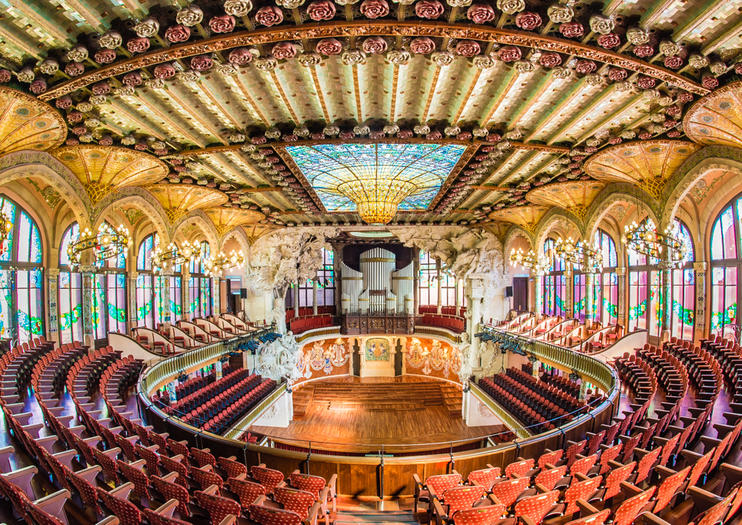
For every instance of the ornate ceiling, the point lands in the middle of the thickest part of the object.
(207, 100)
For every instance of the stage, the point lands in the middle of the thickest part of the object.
(357, 415)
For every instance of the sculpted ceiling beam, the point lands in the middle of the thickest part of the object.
(355, 28)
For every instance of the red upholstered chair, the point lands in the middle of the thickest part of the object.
(614, 479)
(164, 514)
(83, 481)
(267, 477)
(134, 472)
(203, 457)
(646, 464)
(217, 506)
(174, 464)
(479, 515)
(550, 458)
(583, 465)
(630, 508)
(170, 489)
(313, 484)
(39, 516)
(206, 477)
(271, 516)
(519, 469)
(535, 508)
(247, 491)
(151, 457)
(608, 455)
(231, 467)
(462, 497)
(508, 491)
(485, 477)
(549, 478)
(434, 485)
(668, 488)
(118, 503)
(718, 513)
(295, 500)
(580, 490)
(598, 518)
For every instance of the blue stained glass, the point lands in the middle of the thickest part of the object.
(10, 212)
(328, 166)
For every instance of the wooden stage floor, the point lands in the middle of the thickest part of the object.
(358, 414)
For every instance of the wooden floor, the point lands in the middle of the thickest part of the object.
(354, 414)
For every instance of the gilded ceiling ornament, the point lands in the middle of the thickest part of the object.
(92, 122)
(697, 61)
(190, 16)
(391, 129)
(442, 58)
(226, 69)
(361, 130)
(309, 59)
(346, 2)
(637, 36)
(98, 100)
(718, 68)
(524, 66)
(49, 66)
(188, 75)
(157, 144)
(273, 134)
(421, 130)
(86, 138)
(77, 54)
(594, 79)
(26, 75)
(128, 140)
(480, 132)
(110, 40)
(374, 45)
(331, 131)
(399, 57)
(239, 8)
(560, 14)
(510, 7)
(459, 3)
(561, 72)
(85, 107)
(601, 24)
(266, 64)
(670, 48)
(353, 56)
(483, 61)
(302, 131)
(147, 28)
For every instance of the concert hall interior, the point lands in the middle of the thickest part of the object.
(370, 262)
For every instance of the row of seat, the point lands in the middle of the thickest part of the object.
(450, 322)
(548, 409)
(531, 419)
(312, 322)
(241, 406)
(549, 392)
(563, 383)
(199, 397)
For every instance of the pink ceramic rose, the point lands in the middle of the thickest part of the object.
(645, 82)
(101, 88)
(430, 9)
(201, 63)
(510, 53)
(616, 74)
(609, 41)
(572, 29)
(105, 56)
(584, 67)
(5, 76)
(72, 141)
(138, 45)
(222, 24)
(164, 71)
(329, 47)
(709, 82)
(240, 56)
(467, 48)
(74, 117)
(38, 86)
(177, 33)
(74, 69)
(480, 13)
(132, 79)
(374, 8)
(321, 10)
(269, 15)
(674, 62)
(283, 51)
(644, 50)
(374, 45)
(79, 130)
(528, 20)
(422, 45)
(550, 60)
(64, 102)
(684, 97)
(106, 141)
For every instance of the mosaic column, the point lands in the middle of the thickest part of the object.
(52, 327)
(623, 297)
(589, 299)
(699, 325)
(535, 297)
(569, 296)
(186, 294)
(666, 298)
(216, 296)
(90, 300)
(164, 297)
(315, 289)
(132, 319)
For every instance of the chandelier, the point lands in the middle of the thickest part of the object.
(217, 264)
(5, 228)
(106, 244)
(667, 247)
(165, 261)
(528, 260)
(579, 254)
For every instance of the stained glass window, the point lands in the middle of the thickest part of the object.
(150, 297)
(70, 292)
(553, 283)
(199, 286)
(682, 315)
(21, 277)
(605, 289)
(337, 172)
(726, 263)
(108, 297)
(326, 280)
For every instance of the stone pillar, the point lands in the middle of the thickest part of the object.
(439, 301)
(89, 299)
(535, 296)
(314, 297)
(186, 294)
(164, 282)
(569, 292)
(457, 304)
(52, 327)
(216, 296)
(589, 304)
(476, 294)
(700, 330)
(131, 302)
(416, 277)
(665, 276)
(623, 297)
(296, 300)
(337, 257)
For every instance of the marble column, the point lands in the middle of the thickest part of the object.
(457, 304)
(164, 282)
(89, 299)
(569, 295)
(535, 295)
(623, 297)
(185, 288)
(700, 330)
(476, 294)
(296, 300)
(131, 303)
(416, 277)
(589, 303)
(315, 289)
(438, 282)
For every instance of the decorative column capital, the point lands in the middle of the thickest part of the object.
(52, 273)
(700, 267)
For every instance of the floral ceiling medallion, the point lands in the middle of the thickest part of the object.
(573, 196)
(717, 118)
(178, 200)
(28, 123)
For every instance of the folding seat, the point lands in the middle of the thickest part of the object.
(508, 491)
(628, 511)
(175, 464)
(669, 487)
(301, 502)
(231, 467)
(116, 501)
(573, 450)
(246, 491)
(203, 457)
(580, 490)
(548, 479)
(535, 508)
(271, 516)
(107, 460)
(83, 482)
(134, 472)
(267, 477)
(583, 465)
(485, 515)
(608, 455)
(614, 478)
(550, 458)
(520, 468)
(646, 464)
(434, 485)
(163, 515)
(461, 497)
(485, 477)
(217, 506)
(311, 484)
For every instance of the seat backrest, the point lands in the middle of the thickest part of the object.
(40, 517)
(231, 467)
(580, 490)
(462, 497)
(479, 515)
(598, 518)
(630, 508)
(218, 507)
(718, 513)
(485, 477)
(536, 507)
(699, 468)
(519, 468)
(270, 516)
(442, 482)
(267, 477)
(607, 455)
(615, 477)
(668, 488)
(158, 519)
(206, 478)
(173, 491)
(550, 458)
(583, 465)
(247, 491)
(123, 509)
(549, 478)
(646, 464)
(295, 500)
(508, 491)
(313, 484)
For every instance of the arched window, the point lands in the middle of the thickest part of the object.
(325, 295)
(70, 292)
(682, 318)
(108, 305)
(21, 277)
(726, 265)
(553, 284)
(645, 294)
(430, 271)
(199, 285)
(150, 300)
(605, 291)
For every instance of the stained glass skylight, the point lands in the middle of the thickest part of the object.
(376, 179)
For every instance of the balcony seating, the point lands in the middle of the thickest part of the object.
(311, 322)
(450, 322)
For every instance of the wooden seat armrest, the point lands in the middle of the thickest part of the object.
(92, 442)
(540, 488)
(65, 457)
(649, 518)
(240, 477)
(493, 499)
(527, 521)
(490, 466)
(122, 491)
(690, 456)
(138, 464)
(314, 511)
(22, 479)
(89, 474)
(112, 452)
(54, 503)
(260, 500)
(167, 508)
(709, 442)
(663, 471)
(703, 499)
(733, 473)
(296, 471)
(229, 519)
(585, 508)
(722, 429)
(640, 452)
(582, 477)
(212, 490)
(170, 477)
(109, 520)
(615, 464)
(660, 440)
(629, 489)
(332, 485)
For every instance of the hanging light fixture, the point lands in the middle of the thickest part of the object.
(165, 261)
(106, 244)
(218, 263)
(579, 254)
(529, 261)
(5, 228)
(668, 247)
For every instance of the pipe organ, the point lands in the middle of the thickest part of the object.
(377, 288)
